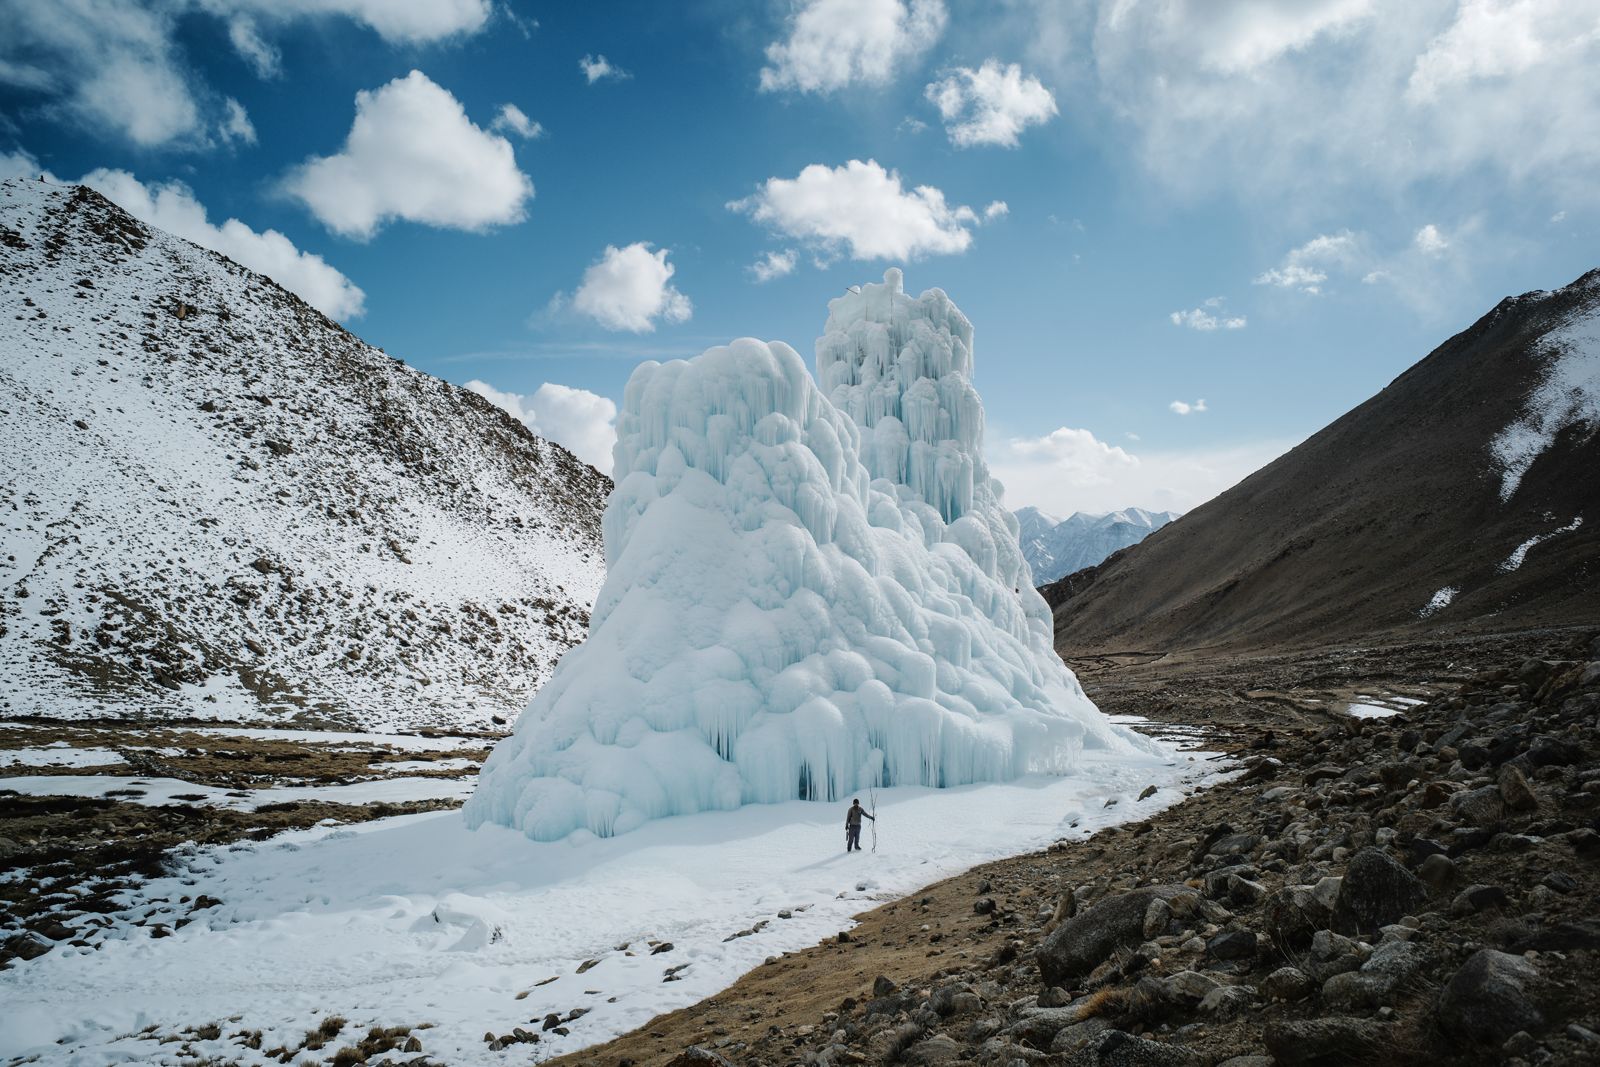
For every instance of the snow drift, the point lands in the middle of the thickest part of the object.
(806, 594)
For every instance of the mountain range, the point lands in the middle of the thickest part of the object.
(1055, 547)
(219, 504)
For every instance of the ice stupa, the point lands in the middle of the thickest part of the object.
(809, 590)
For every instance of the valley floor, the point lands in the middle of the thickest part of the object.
(229, 928)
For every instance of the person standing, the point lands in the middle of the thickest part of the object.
(852, 825)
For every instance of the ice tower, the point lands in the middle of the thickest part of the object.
(809, 590)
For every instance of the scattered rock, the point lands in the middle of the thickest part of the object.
(1081, 944)
(1326, 1042)
(1490, 998)
(1375, 892)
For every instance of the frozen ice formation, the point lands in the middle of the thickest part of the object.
(809, 591)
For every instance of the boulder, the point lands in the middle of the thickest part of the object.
(1225, 1002)
(1490, 998)
(695, 1056)
(1476, 898)
(1479, 807)
(1326, 1042)
(1113, 1048)
(1287, 983)
(1515, 791)
(1232, 945)
(1375, 892)
(1082, 943)
(1386, 971)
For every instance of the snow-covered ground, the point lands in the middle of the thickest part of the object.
(58, 755)
(176, 791)
(416, 919)
(1380, 707)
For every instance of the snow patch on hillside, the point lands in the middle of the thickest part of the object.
(806, 596)
(1568, 394)
(1520, 553)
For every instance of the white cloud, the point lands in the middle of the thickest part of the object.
(1430, 242)
(835, 43)
(863, 207)
(1560, 216)
(997, 209)
(512, 119)
(990, 105)
(597, 67)
(117, 65)
(1180, 407)
(1306, 101)
(413, 154)
(582, 422)
(253, 48)
(237, 127)
(171, 206)
(1071, 470)
(773, 265)
(145, 99)
(627, 289)
(1306, 268)
(19, 164)
(1209, 316)
(396, 21)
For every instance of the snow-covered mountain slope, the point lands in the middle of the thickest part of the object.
(1462, 497)
(215, 502)
(813, 589)
(1054, 547)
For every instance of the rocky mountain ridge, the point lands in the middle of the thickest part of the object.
(220, 504)
(1056, 547)
(1460, 497)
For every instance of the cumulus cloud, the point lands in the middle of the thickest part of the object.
(627, 289)
(413, 154)
(1180, 407)
(1306, 268)
(116, 65)
(773, 265)
(862, 207)
(1070, 470)
(511, 119)
(990, 105)
(1430, 242)
(997, 209)
(582, 422)
(171, 206)
(596, 68)
(835, 43)
(1208, 316)
(396, 21)
(1300, 101)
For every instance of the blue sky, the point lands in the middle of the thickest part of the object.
(1270, 208)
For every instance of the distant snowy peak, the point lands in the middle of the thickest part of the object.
(220, 504)
(1055, 547)
(799, 604)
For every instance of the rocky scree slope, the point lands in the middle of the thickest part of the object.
(1412, 890)
(217, 503)
(1056, 547)
(1461, 497)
